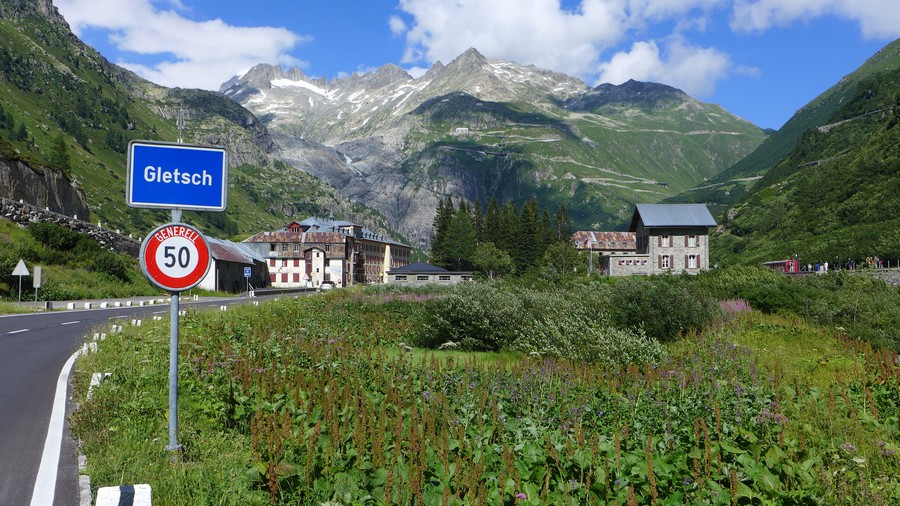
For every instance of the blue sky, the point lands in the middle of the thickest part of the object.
(760, 59)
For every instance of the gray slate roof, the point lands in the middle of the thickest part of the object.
(672, 215)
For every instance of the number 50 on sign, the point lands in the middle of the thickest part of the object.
(175, 257)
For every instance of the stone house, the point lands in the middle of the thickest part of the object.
(668, 238)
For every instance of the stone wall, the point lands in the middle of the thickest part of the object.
(889, 276)
(25, 214)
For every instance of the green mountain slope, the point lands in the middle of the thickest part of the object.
(731, 185)
(836, 195)
(66, 107)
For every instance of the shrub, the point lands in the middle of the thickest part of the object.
(477, 316)
(664, 306)
(54, 236)
(117, 266)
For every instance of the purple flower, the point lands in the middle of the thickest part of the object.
(520, 495)
(848, 447)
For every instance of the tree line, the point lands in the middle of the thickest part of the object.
(503, 239)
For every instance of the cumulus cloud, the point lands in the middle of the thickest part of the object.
(695, 70)
(649, 38)
(539, 32)
(201, 54)
(876, 18)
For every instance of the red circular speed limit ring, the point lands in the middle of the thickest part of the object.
(175, 257)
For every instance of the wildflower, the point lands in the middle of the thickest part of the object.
(521, 495)
(849, 448)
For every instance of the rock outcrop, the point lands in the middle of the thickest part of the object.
(41, 187)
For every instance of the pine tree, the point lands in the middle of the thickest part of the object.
(460, 241)
(442, 218)
(528, 238)
(21, 133)
(490, 228)
(478, 220)
(508, 234)
(59, 156)
(547, 232)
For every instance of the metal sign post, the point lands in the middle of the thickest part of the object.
(20, 270)
(176, 257)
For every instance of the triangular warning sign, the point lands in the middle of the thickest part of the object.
(20, 269)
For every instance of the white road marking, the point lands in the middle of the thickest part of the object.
(18, 331)
(45, 482)
(71, 323)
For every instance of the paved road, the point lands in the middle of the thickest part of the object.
(33, 350)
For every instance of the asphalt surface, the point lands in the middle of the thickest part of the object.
(33, 349)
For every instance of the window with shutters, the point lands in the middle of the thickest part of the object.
(665, 240)
(665, 262)
(692, 241)
(692, 261)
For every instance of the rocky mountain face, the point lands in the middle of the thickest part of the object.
(477, 128)
(56, 91)
(44, 188)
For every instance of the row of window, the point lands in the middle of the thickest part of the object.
(665, 241)
(421, 277)
(690, 262)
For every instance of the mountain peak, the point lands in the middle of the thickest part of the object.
(471, 56)
(18, 9)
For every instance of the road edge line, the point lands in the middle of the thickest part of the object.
(45, 481)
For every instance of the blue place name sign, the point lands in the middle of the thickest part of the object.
(163, 175)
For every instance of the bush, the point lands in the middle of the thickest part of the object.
(477, 316)
(117, 266)
(663, 306)
(572, 323)
(54, 236)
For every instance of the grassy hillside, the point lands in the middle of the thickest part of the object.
(597, 162)
(65, 106)
(836, 195)
(733, 184)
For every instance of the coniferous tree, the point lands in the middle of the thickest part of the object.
(59, 156)
(478, 220)
(441, 223)
(508, 234)
(563, 224)
(528, 238)
(21, 133)
(490, 229)
(460, 241)
(547, 232)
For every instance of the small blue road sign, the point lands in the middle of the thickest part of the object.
(246, 272)
(164, 175)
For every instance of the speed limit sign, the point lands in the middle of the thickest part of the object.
(175, 257)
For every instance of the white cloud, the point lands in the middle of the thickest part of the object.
(201, 54)
(397, 25)
(877, 18)
(537, 31)
(694, 70)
